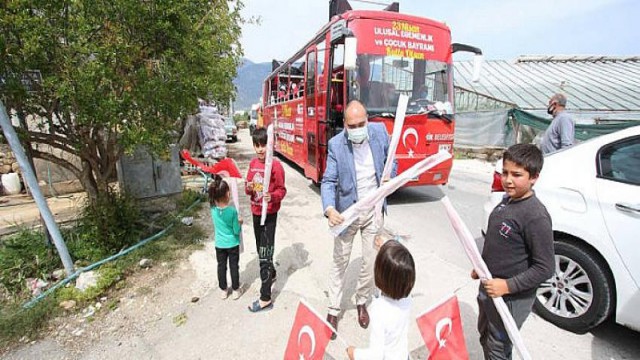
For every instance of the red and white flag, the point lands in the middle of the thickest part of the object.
(441, 329)
(268, 162)
(309, 336)
(225, 167)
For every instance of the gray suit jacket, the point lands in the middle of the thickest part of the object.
(339, 188)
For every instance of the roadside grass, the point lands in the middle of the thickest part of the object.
(459, 154)
(27, 254)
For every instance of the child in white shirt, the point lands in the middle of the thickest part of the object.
(395, 275)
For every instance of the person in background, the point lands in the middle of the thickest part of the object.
(226, 223)
(395, 275)
(518, 250)
(561, 131)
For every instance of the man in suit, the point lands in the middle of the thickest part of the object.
(354, 169)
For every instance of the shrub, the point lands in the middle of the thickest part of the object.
(111, 223)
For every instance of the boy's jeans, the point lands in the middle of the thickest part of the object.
(493, 336)
(265, 243)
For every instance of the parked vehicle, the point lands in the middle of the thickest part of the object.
(592, 192)
(231, 129)
(253, 117)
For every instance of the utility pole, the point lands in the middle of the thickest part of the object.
(32, 182)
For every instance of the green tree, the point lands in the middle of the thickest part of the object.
(115, 74)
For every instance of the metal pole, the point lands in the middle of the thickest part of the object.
(45, 212)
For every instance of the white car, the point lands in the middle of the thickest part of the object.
(592, 192)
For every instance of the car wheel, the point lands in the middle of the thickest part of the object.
(579, 295)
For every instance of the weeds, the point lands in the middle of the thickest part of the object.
(109, 274)
(25, 255)
(16, 322)
(106, 227)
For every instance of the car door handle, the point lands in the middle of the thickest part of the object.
(628, 208)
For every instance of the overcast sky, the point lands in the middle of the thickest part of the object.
(503, 29)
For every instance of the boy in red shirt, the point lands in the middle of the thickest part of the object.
(265, 235)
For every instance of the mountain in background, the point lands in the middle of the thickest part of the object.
(249, 83)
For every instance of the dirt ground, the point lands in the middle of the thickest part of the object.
(170, 299)
(20, 210)
(174, 311)
(148, 292)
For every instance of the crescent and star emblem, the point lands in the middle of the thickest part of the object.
(442, 338)
(309, 331)
(405, 135)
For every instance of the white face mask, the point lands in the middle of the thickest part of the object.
(358, 135)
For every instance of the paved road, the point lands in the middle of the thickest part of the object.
(224, 329)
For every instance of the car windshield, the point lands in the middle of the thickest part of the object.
(380, 80)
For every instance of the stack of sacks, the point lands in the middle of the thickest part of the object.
(212, 133)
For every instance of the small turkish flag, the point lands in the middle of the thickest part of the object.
(309, 336)
(441, 329)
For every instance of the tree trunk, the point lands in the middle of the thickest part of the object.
(26, 144)
(88, 182)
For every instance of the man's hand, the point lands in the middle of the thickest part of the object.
(378, 242)
(334, 217)
(350, 350)
(240, 220)
(496, 287)
(267, 197)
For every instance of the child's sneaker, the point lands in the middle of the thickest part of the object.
(224, 294)
(235, 295)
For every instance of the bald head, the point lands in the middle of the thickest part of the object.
(355, 115)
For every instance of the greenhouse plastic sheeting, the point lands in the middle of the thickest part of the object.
(482, 128)
(583, 131)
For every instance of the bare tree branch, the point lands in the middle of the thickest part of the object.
(57, 160)
(56, 141)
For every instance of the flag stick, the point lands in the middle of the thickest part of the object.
(267, 172)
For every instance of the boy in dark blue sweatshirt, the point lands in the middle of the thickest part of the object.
(518, 250)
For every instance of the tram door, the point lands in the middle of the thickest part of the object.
(311, 114)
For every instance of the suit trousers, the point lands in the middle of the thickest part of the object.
(342, 246)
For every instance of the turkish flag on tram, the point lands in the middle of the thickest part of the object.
(309, 336)
(441, 329)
